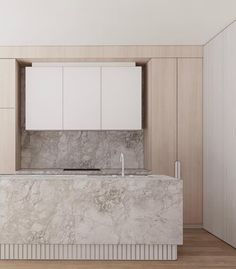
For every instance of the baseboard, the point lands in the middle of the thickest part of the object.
(193, 226)
(87, 252)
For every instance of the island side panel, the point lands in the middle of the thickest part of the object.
(91, 210)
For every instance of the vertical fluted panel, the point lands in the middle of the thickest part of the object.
(87, 252)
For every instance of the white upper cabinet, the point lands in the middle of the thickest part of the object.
(121, 98)
(82, 104)
(43, 98)
(83, 97)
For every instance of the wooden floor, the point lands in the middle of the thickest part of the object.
(200, 250)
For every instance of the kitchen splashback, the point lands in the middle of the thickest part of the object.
(78, 149)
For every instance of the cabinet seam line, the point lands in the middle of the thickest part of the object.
(100, 98)
(177, 108)
(62, 98)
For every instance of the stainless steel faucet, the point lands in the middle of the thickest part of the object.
(122, 160)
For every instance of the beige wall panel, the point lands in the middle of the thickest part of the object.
(17, 115)
(99, 52)
(9, 117)
(7, 141)
(190, 136)
(147, 123)
(7, 83)
(161, 128)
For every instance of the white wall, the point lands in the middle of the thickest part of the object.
(112, 22)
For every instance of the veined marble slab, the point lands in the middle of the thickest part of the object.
(101, 172)
(60, 209)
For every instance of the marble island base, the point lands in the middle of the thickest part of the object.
(90, 217)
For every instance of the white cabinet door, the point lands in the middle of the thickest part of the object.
(121, 98)
(82, 100)
(43, 98)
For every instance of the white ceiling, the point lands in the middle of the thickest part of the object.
(113, 22)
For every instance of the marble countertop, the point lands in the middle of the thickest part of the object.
(61, 177)
(82, 172)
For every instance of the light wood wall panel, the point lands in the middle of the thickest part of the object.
(9, 117)
(190, 136)
(160, 129)
(7, 141)
(18, 117)
(98, 52)
(173, 126)
(7, 83)
(147, 122)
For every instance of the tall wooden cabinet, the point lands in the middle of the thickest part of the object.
(9, 131)
(173, 129)
(161, 119)
(189, 136)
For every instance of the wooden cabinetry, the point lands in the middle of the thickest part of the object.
(160, 123)
(9, 131)
(190, 136)
(7, 84)
(7, 141)
(173, 128)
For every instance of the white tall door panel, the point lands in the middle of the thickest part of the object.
(82, 101)
(213, 132)
(121, 98)
(43, 98)
(229, 128)
(220, 135)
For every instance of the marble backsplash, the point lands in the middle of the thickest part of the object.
(78, 149)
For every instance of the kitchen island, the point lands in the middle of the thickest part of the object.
(90, 217)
